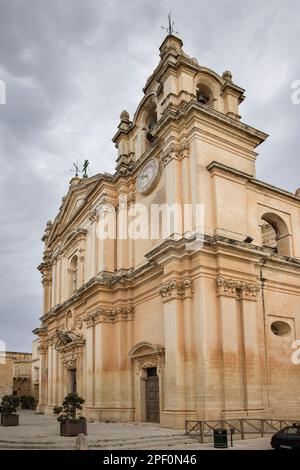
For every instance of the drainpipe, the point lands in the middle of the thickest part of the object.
(262, 285)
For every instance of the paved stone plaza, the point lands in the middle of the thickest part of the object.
(42, 432)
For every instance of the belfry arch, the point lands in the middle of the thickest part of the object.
(275, 234)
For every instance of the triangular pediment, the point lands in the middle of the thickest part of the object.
(71, 203)
(75, 201)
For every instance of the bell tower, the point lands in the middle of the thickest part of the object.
(189, 120)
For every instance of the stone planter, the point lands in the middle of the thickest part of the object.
(69, 428)
(10, 420)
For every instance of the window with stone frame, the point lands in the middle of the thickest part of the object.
(73, 274)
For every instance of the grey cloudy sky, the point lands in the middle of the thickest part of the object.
(71, 67)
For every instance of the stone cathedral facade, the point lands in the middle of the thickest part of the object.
(148, 328)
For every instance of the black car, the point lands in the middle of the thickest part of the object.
(287, 438)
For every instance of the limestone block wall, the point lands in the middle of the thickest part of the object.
(6, 378)
(282, 305)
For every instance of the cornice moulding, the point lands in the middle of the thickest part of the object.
(219, 167)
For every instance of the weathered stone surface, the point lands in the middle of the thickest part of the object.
(117, 309)
(81, 442)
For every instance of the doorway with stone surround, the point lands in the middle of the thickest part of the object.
(73, 380)
(148, 366)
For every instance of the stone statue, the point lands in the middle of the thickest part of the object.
(84, 169)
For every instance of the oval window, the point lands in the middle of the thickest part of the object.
(280, 328)
(69, 321)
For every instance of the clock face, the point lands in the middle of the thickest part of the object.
(148, 176)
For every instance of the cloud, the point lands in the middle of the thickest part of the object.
(71, 67)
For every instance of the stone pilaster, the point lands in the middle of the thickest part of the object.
(173, 293)
(55, 378)
(93, 254)
(251, 347)
(90, 364)
(106, 233)
(62, 379)
(106, 327)
(233, 391)
(124, 260)
(237, 301)
(50, 372)
(42, 348)
(46, 270)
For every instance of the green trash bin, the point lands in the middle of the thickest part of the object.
(220, 438)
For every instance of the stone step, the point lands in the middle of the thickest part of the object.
(118, 441)
(31, 446)
(121, 441)
(117, 444)
(144, 443)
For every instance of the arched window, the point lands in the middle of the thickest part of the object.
(151, 121)
(205, 95)
(73, 274)
(268, 236)
(275, 234)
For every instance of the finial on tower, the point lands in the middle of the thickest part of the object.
(170, 28)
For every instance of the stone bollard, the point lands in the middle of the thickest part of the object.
(81, 442)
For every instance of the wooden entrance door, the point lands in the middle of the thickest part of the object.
(152, 396)
(73, 381)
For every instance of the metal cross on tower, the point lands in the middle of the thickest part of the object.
(170, 28)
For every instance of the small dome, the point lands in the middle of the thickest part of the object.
(297, 192)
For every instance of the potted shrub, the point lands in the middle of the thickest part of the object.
(8, 409)
(28, 402)
(71, 424)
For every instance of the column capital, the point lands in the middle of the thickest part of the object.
(176, 289)
(237, 288)
(175, 151)
(109, 315)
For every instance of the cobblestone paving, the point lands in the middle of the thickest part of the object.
(42, 432)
